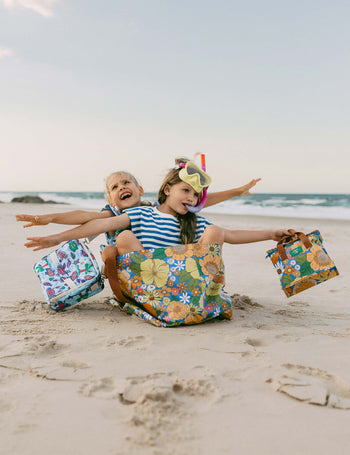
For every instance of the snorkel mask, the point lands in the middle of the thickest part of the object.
(198, 179)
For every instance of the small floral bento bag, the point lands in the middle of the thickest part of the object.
(69, 274)
(302, 263)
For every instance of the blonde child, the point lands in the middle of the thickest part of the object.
(122, 191)
(167, 225)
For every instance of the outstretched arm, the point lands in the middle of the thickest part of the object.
(220, 196)
(88, 229)
(73, 217)
(254, 236)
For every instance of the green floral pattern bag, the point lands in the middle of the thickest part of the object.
(174, 286)
(302, 263)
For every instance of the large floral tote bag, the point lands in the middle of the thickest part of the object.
(174, 286)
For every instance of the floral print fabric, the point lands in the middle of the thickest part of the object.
(178, 285)
(303, 268)
(69, 275)
(111, 239)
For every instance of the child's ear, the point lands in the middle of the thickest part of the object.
(166, 190)
(141, 191)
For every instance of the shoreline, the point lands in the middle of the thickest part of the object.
(124, 386)
(280, 219)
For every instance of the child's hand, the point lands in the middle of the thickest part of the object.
(279, 234)
(34, 220)
(38, 243)
(244, 190)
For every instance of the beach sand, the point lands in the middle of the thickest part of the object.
(93, 380)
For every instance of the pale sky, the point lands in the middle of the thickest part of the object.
(89, 87)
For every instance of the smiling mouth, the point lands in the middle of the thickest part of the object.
(125, 196)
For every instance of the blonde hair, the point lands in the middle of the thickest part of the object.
(188, 222)
(130, 176)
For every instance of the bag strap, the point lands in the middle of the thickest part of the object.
(111, 272)
(299, 235)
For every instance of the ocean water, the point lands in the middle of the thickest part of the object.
(324, 206)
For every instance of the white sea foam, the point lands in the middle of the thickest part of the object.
(307, 201)
(290, 211)
(6, 197)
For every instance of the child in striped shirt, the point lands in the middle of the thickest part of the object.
(171, 223)
(122, 191)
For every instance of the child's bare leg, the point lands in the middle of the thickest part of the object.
(212, 234)
(109, 257)
(127, 242)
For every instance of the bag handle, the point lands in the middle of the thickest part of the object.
(299, 235)
(111, 272)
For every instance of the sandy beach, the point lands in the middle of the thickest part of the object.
(93, 380)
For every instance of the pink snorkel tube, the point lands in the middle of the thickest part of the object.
(200, 205)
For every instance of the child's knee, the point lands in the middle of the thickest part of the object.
(124, 238)
(127, 242)
(212, 234)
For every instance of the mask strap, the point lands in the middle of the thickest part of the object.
(200, 204)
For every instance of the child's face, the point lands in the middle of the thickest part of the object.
(123, 193)
(177, 196)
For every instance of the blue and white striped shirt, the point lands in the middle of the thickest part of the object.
(155, 229)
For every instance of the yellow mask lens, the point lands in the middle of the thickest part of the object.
(195, 176)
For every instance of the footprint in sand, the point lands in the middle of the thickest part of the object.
(243, 302)
(313, 386)
(162, 404)
(34, 306)
(137, 342)
(104, 388)
(21, 357)
(293, 314)
(44, 346)
(255, 342)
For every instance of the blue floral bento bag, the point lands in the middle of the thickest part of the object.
(302, 263)
(69, 274)
(173, 286)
